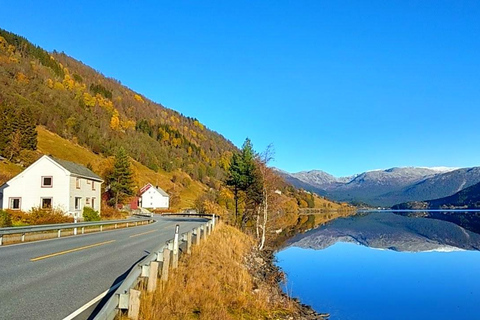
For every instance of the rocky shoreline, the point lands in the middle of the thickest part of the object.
(261, 265)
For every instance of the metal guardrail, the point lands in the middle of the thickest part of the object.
(62, 226)
(121, 300)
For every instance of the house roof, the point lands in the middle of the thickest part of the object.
(76, 169)
(159, 190)
(163, 193)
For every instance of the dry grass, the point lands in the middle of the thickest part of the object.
(214, 283)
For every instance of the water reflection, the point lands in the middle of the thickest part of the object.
(399, 231)
(426, 269)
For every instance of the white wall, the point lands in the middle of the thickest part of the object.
(86, 194)
(28, 186)
(153, 199)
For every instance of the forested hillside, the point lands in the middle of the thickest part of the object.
(53, 104)
(78, 103)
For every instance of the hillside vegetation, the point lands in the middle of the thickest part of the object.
(80, 104)
(468, 198)
(53, 104)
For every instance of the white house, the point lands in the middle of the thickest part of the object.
(153, 198)
(53, 183)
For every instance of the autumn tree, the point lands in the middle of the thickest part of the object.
(269, 180)
(120, 179)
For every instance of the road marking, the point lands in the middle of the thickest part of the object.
(91, 303)
(71, 250)
(141, 234)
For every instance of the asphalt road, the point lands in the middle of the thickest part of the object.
(53, 278)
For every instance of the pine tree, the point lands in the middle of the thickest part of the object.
(235, 178)
(121, 178)
(28, 129)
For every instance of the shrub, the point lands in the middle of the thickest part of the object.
(110, 213)
(90, 215)
(5, 219)
(47, 216)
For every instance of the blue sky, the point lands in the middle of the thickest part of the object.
(341, 86)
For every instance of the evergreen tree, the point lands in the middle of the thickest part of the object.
(121, 178)
(244, 178)
(17, 131)
(28, 127)
(235, 178)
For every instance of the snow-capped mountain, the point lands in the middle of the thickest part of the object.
(390, 186)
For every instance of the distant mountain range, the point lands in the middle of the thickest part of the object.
(386, 188)
(468, 198)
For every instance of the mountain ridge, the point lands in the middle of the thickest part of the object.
(387, 187)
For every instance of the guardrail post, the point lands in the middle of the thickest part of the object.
(189, 242)
(83, 230)
(197, 232)
(1, 239)
(59, 233)
(127, 224)
(204, 228)
(175, 248)
(101, 228)
(213, 221)
(134, 304)
(166, 264)
(75, 221)
(152, 276)
(23, 237)
(116, 226)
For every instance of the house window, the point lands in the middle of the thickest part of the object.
(47, 182)
(87, 201)
(46, 203)
(77, 183)
(15, 203)
(78, 201)
(93, 185)
(93, 203)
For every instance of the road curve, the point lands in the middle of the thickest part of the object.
(53, 278)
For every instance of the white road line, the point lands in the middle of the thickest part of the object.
(91, 303)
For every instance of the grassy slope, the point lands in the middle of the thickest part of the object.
(215, 283)
(52, 144)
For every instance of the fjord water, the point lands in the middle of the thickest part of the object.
(385, 265)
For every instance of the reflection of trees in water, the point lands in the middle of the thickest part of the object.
(306, 222)
(469, 220)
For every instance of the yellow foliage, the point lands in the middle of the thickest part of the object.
(58, 86)
(138, 98)
(105, 103)
(127, 124)
(196, 123)
(68, 82)
(11, 49)
(50, 83)
(174, 119)
(115, 122)
(4, 60)
(89, 100)
(22, 78)
(303, 204)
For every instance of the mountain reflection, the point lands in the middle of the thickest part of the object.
(399, 231)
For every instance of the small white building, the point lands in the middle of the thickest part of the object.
(153, 198)
(53, 183)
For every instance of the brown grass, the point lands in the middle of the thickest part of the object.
(214, 283)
